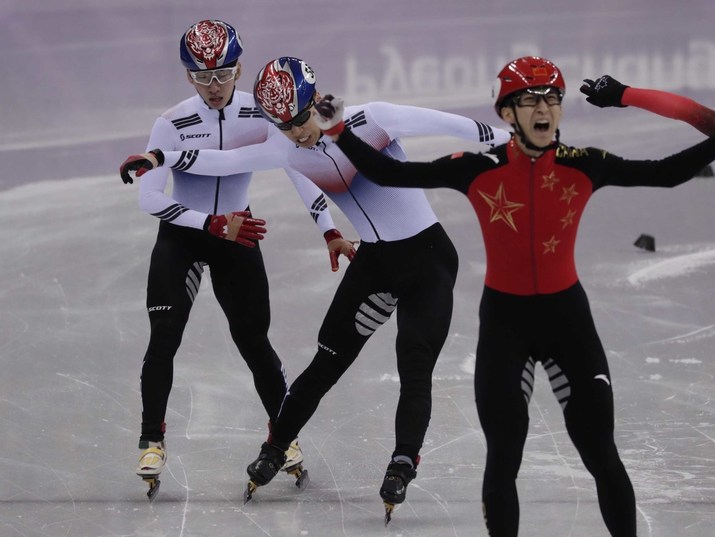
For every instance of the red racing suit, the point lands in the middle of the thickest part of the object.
(533, 308)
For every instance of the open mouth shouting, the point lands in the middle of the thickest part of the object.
(542, 125)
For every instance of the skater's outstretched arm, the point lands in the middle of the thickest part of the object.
(606, 92)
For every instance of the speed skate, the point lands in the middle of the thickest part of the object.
(151, 463)
(394, 486)
(270, 461)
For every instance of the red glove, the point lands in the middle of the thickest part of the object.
(140, 164)
(336, 246)
(237, 227)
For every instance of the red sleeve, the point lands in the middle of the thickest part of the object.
(672, 106)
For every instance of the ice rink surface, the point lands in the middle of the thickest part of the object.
(74, 252)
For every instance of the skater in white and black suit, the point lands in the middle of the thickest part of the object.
(405, 261)
(206, 222)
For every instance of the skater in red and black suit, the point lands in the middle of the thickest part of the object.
(529, 195)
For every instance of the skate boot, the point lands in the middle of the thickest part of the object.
(394, 486)
(151, 463)
(294, 465)
(269, 462)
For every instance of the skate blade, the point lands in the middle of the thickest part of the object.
(250, 489)
(301, 476)
(389, 508)
(154, 483)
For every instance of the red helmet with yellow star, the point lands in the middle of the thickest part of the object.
(525, 73)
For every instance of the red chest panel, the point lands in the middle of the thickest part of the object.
(529, 212)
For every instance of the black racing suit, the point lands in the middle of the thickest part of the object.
(415, 276)
(239, 282)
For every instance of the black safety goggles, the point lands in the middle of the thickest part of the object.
(299, 120)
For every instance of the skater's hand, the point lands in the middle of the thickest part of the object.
(338, 245)
(140, 164)
(604, 92)
(329, 115)
(238, 227)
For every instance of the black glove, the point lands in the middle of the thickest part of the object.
(604, 92)
(140, 164)
(329, 115)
